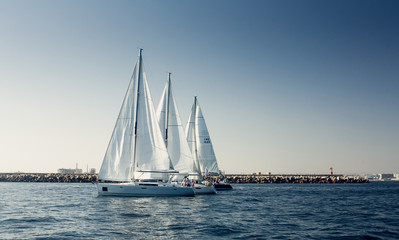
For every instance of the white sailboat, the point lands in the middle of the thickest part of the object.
(175, 140)
(200, 143)
(136, 162)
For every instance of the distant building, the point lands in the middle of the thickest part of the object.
(385, 176)
(70, 171)
(92, 171)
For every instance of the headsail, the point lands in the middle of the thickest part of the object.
(136, 143)
(173, 133)
(118, 158)
(191, 136)
(200, 142)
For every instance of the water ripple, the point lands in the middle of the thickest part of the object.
(287, 211)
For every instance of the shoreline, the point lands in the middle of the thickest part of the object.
(297, 178)
(231, 178)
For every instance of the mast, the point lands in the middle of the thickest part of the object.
(135, 164)
(195, 135)
(167, 111)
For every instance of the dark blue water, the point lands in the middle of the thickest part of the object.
(286, 211)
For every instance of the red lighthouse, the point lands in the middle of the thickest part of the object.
(331, 169)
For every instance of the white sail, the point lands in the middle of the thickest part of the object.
(200, 142)
(173, 133)
(190, 136)
(136, 145)
(118, 158)
(206, 154)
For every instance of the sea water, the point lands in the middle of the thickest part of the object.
(250, 211)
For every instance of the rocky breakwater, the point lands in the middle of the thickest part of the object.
(47, 177)
(293, 179)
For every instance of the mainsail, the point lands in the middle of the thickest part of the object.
(199, 141)
(136, 143)
(173, 132)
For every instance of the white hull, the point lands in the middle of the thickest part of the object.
(203, 189)
(143, 189)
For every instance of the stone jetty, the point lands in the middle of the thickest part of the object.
(245, 178)
(231, 178)
(47, 177)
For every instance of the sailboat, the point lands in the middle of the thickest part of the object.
(200, 144)
(176, 143)
(137, 162)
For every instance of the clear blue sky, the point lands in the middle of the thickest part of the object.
(285, 86)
